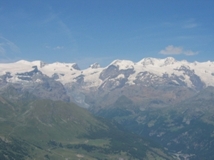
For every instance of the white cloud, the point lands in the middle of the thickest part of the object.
(172, 50)
(190, 53)
(58, 48)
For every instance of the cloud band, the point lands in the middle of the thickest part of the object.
(172, 50)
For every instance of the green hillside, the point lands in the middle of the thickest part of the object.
(33, 128)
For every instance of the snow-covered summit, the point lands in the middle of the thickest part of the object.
(95, 65)
(180, 72)
(157, 62)
(148, 61)
(123, 64)
(169, 60)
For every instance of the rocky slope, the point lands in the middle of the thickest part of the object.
(149, 82)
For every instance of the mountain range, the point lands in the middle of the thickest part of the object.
(165, 100)
(167, 81)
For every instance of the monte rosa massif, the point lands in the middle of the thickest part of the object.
(164, 80)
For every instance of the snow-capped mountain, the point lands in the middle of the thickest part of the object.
(120, 75)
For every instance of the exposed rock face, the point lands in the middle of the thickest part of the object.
(147, 80)
(95, 65)
(36, 83)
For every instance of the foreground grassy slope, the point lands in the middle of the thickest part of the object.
(33, 128)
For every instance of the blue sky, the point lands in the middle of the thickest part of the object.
(88, 31)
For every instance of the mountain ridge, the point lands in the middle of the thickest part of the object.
(152, 65)
(118, 77)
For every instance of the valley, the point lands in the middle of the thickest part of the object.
(151, 109)
(35, 128)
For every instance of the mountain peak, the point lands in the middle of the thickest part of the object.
(39, 63)
(22, 62)
(148, 61)
(169, 60)
(95, 65)
(75, 66)
(123, 64)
